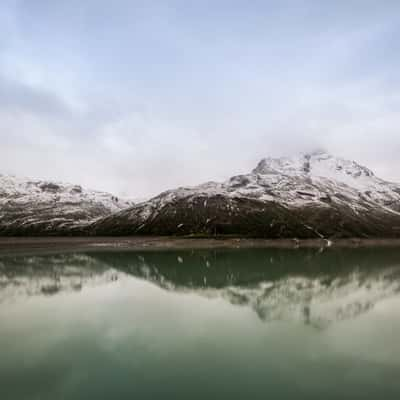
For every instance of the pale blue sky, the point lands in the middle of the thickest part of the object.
(136, 97)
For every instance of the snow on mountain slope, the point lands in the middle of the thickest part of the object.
(319, 174)
(30, 191)
(303, 196)
(311, 195)
(308, 178)
(39, 207)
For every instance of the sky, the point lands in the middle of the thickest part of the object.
(136, 97)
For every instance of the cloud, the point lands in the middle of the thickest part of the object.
(138, 97)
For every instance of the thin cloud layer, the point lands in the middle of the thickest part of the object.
(136, 98)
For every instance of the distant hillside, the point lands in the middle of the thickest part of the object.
(33, 207)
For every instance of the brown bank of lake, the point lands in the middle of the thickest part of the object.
(48, 244)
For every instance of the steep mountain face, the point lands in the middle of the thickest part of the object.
(30, 207)
(309, 196)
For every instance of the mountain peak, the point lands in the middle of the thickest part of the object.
(318, 163)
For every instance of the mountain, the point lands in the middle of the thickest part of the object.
(312, 195)
(36, 207)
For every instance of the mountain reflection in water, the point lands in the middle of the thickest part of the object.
(303, 285)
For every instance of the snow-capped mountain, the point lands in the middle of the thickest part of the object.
(311, 195)
(316, 176)
(29, 207)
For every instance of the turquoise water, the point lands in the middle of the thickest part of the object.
(237, 324)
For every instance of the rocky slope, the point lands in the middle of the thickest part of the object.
(29, 207)
(312, 195)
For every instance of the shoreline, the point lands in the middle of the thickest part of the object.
(17, 245)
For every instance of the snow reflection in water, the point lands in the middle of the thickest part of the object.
(175, 325)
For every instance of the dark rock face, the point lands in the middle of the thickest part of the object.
(215, 215)
(218, 215)
(49, 187)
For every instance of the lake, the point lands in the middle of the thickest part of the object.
(201, 324)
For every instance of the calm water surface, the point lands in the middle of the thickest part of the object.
(237, 324)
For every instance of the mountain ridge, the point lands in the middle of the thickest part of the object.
(31, 207)
(312, 195)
